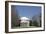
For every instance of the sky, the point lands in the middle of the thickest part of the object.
(27, 11)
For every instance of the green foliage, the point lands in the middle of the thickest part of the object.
(35, 23)
(30, 23)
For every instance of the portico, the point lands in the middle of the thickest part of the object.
(24, 22)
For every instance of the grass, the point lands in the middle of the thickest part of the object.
(25, 27)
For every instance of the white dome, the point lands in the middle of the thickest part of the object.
(24, 18)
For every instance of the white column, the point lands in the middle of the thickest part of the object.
(28, 24)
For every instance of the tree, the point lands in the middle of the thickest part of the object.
(14, 17)
(37, 20)
(35, 23)
(30, 23)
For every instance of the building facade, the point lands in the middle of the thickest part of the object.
(24, 22)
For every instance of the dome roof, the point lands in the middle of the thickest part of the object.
(24, 18)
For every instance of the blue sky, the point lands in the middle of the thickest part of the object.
(27, 11)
